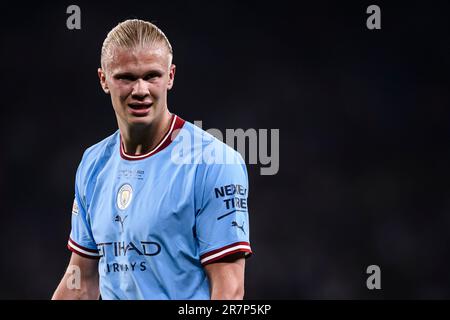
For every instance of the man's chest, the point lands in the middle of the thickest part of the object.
(140, 204)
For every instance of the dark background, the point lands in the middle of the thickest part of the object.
(364, 135)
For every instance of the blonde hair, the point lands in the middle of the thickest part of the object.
(131, 34)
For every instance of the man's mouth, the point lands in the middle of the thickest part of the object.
(140, 106)
(139, 109)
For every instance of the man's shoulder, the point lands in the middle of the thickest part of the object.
(99, 152)
(211, 147)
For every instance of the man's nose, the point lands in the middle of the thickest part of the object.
(140, 89)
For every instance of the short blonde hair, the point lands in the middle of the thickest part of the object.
(131, 34)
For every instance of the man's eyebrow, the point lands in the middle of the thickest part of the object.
(122, 74)
(131, 74)
(153, 71)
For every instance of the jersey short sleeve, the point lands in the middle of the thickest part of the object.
(222, 223)
(81, 240)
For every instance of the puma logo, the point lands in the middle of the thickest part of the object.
(121, 221)
(235, 224)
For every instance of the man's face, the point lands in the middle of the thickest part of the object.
(138, 81)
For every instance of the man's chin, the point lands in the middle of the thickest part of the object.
(139, 118)
(140, 121)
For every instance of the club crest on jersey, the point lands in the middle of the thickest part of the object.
(124, 196)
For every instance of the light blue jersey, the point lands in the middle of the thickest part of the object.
(155, 220)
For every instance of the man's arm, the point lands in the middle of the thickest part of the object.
(82, 286)
(226, 278)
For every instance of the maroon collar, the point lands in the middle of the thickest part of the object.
(176, 123)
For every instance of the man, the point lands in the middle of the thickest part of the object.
(157, 212)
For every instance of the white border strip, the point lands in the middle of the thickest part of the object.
(218, 254)
(76, 248)
(155, 148)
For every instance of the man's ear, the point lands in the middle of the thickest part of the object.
(171, 77)
(102, 77)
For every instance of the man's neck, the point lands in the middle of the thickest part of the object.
(142, 139)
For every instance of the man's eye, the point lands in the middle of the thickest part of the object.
(126, 78)
(151, 76)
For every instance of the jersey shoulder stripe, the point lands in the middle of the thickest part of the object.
(220, 253)
(82, 251)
